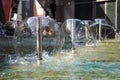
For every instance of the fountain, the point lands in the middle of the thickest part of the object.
(18, 38)
(88, 63)
(90, 39)
(49, 35)
(102, 30)
(72, 29)
(79, 32)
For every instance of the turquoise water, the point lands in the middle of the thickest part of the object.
(56, 67)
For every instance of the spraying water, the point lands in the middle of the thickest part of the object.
(62, 66)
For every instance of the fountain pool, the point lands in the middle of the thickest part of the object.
(62, 66)
(100, 62)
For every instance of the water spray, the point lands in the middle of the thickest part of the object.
(86, 22)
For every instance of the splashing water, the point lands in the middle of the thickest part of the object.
(53, 36)
(102, 30)
(61, 66)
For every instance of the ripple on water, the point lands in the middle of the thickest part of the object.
(52, 68)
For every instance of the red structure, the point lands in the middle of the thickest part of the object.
(29, 8)
(7, 9)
